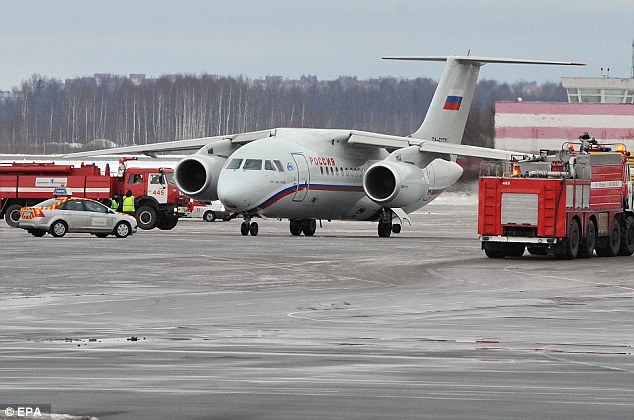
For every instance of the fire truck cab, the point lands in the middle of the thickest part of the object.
(571, 203)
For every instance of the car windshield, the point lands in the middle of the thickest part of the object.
(47, 203)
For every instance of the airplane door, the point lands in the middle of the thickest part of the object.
(303, 176)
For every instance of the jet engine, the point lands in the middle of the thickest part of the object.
(197, 176)
(395, 184)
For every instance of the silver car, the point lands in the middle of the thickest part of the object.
(59, 216)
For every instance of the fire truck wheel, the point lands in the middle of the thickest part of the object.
(608, 246)
(569, 248)
(589, 242)
(537, 250)
(209, 216)
(514, 250)
(58, 229)
(13, 215)
(146, 217)
(627, 237)
(167, 223)
(494, 250)
(122, 230)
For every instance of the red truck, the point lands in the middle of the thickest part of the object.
(159, 203)
(569, 202)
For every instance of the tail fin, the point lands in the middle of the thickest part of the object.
(447, 115)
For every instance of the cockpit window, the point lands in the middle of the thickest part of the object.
(234, 164)
(279, 165)
(268, 165)
(253, 164)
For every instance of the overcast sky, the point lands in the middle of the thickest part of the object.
(328, 38)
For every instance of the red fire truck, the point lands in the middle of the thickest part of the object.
(159, 203)
(569, 202)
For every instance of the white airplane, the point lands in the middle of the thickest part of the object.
(305, 174)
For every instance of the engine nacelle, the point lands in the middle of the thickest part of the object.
(197, 176)
(395, 184)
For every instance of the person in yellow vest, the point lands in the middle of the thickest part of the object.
(114, 202)
(128, 203)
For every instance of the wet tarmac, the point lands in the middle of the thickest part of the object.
(203, 323)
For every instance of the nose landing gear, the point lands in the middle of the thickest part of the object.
(386, 227)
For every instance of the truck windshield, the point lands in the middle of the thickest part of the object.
(170, 177)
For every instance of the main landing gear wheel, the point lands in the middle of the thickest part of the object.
(309, 227)
(249, 227)
(296, 227)
(306, 226)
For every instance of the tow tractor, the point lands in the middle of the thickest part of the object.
(570, 202)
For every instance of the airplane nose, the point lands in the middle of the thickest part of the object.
(236, 194)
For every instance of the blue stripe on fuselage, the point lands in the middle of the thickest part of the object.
(323, 187)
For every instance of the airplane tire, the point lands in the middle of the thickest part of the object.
(396, 228)
(295, 227)
(385, 230)
(253, 229)
(244, 228)
(309, 227)
(167, 223)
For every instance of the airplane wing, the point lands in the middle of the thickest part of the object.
(380, 140)
(175, 146)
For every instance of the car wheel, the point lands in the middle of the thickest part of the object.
(209, 216)
(59, 229)
(122, 230)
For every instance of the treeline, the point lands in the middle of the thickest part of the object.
(48, 116)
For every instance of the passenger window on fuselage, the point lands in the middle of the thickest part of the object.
(253, 165)
(234, 164)
(279, 165)
(268, 165)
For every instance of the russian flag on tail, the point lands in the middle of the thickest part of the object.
(454, 99)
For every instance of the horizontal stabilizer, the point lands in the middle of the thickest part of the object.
(483, 60)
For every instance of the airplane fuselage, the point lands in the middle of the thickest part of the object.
(303, 174)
